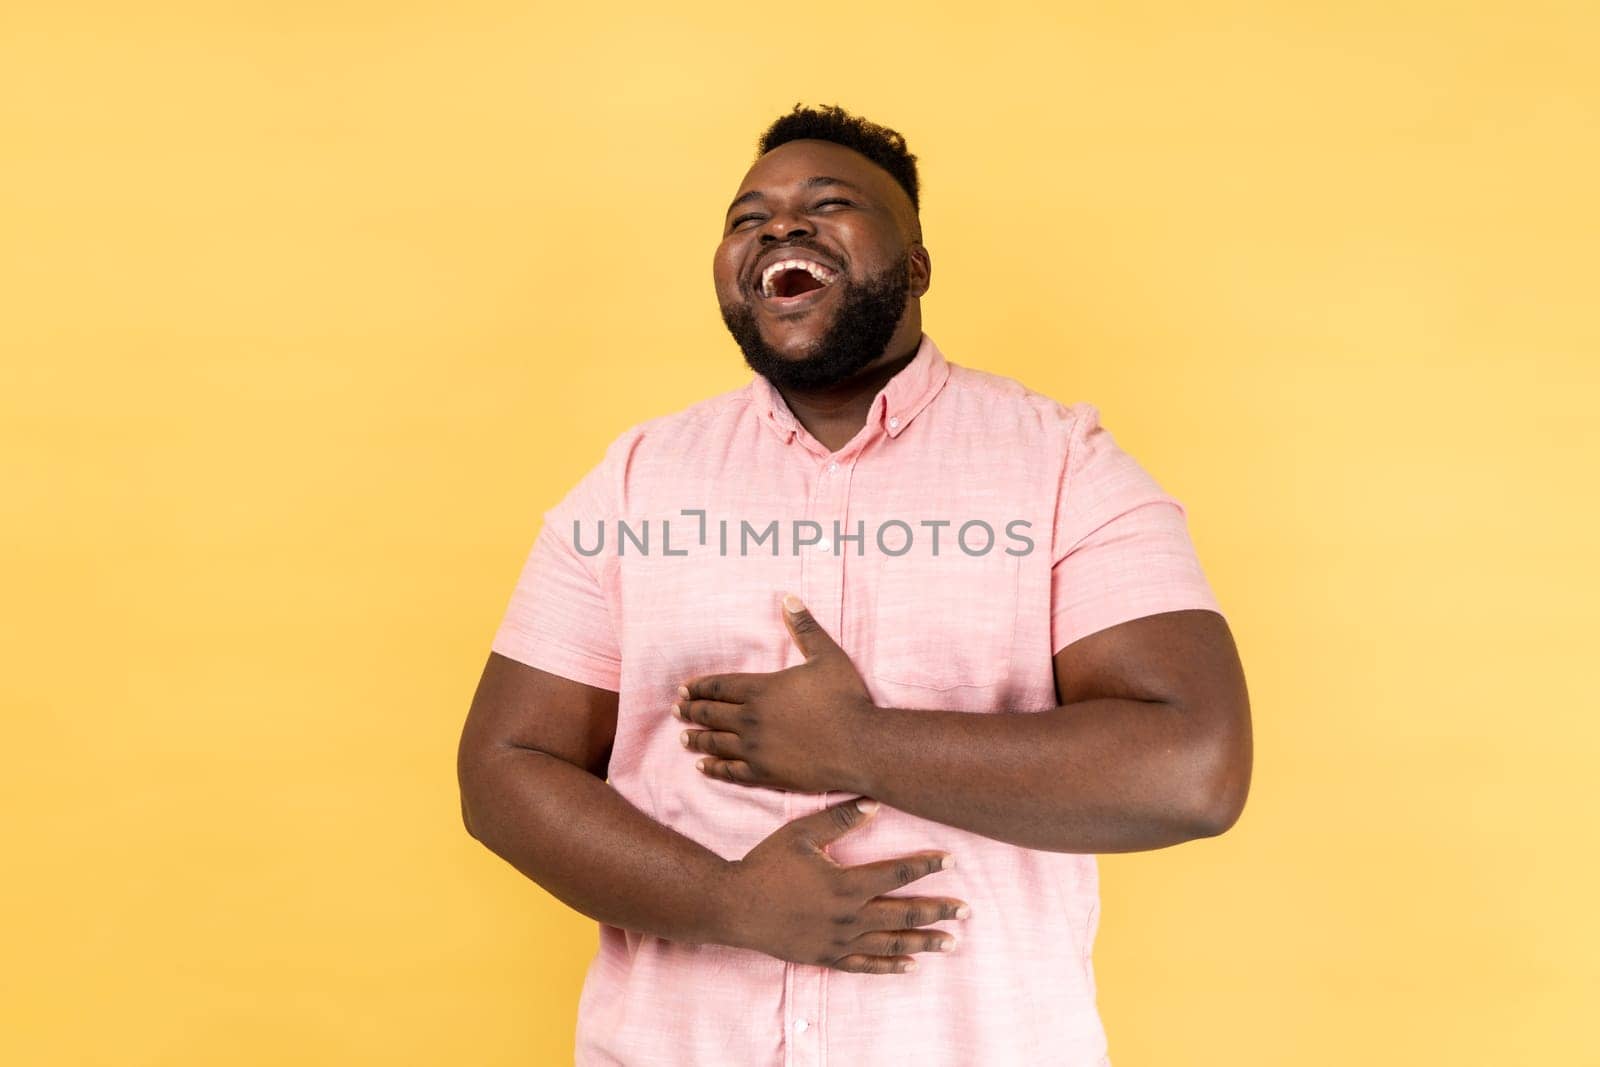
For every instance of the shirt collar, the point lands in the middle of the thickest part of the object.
(897, 403)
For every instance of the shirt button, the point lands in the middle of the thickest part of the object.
(894, 424)
(833, 467)
(800, 1026)
(824, 545)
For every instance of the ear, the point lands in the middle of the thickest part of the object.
(921, 270)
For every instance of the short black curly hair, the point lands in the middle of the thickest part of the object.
(883, 146)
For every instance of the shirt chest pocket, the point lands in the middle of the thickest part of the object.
(946, 621)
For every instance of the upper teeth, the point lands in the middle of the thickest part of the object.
(816, 270)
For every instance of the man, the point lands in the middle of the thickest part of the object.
(853, 824)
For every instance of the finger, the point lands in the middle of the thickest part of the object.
(712, 743)
(832, 823)
(713, 713)
(875, 964)
(902, 913)
(729, 770)
(881, 876)
(733, 688)
(808, 634)
(902, 942)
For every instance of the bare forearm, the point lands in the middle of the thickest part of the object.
(576, 836)
(1096, 776)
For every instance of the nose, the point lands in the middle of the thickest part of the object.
(784, 226)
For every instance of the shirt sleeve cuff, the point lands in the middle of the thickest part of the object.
(1068, 626)
(559, 659)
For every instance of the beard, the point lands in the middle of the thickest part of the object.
(868, 315)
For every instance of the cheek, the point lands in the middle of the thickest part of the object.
(871, 250)
(725, 270)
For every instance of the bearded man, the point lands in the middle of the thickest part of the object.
(836, 798)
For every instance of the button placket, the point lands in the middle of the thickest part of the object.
(822, 589)
(822, 578)
(804, 1038)
(822, 570)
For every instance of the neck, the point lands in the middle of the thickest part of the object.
(836, 413)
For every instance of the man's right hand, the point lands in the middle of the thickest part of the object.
(790, 899)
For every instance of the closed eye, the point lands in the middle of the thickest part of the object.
(742, 219)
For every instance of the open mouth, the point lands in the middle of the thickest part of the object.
(788, 279)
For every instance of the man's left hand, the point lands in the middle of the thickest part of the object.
(791, 729)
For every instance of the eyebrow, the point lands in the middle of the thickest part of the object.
(809, 183)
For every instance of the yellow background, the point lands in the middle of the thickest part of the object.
(308, 312)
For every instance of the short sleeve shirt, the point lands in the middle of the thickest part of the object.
(968, 532)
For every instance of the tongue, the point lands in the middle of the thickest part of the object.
(794, 282)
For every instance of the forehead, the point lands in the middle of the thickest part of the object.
(790, 165)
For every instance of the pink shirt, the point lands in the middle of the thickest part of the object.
(1082, 539)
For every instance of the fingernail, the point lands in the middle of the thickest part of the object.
(683, 691)
(684, 737)
(963, 911)
(791, 603)
(947, 862)
(904, 967)
(677, 712)
(947, 946)
(866, 806)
